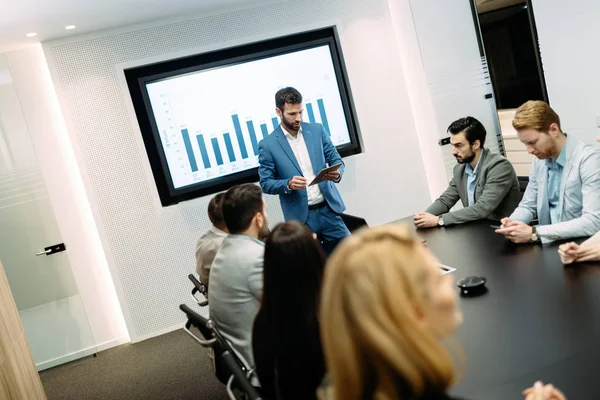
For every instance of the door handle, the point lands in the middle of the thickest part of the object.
(57, 248)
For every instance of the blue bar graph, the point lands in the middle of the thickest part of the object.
(253, 139)
(323, 115)
(239, 135)
(311, 113)
(275, 122)
(203, 151)
(229, 146)
(189, 150)
(265, 132)
(217, 150)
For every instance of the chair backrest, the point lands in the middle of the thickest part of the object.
(523, 182)
(353, 223)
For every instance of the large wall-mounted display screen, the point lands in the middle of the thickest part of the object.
(202, 117)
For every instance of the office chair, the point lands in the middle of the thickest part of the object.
(239, 379)
(523, 182)
(230, 369)
(205, 327)
(201, 288)
(352, 223)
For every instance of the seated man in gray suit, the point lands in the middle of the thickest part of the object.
(564, 183)
(485, 182)
(236, 275)
(210, 242)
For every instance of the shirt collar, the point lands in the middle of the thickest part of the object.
(289, 136)
(244, 237)
(469, 170)
(217, 231)
(560, 161)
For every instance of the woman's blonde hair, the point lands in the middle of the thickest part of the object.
(374, 342)
(537, 115)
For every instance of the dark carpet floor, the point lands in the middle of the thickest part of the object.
(170, 366)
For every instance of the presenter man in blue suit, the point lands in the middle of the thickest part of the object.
(290, 158)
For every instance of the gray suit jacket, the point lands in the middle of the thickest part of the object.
(236, 283)
(579, 200)
(496, 192)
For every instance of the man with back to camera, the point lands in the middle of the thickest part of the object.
(236, 275)
(210, 242)
(290, 158)
(485, 182)
(564, 183)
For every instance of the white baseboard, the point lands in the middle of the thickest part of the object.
(81, 353)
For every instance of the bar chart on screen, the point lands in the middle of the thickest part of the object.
(199, 155)
(210, 122)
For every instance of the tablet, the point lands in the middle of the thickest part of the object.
(444, 269)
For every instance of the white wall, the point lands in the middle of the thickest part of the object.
(426, 124)
(149, 248)
(569, 35)
(56, 161)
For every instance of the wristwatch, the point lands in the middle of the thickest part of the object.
(441, 221)
(534, 235)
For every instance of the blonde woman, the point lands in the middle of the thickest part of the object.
(385, 312)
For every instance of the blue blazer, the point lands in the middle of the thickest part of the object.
(278, 164)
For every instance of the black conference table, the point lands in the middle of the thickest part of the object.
(538, 320)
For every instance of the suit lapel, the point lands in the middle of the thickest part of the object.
(285, 145)
(566, 171)
(310, 141)
(480, 167)
(462, 186)
(543, 206)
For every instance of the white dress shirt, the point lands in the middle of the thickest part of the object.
(298, 145)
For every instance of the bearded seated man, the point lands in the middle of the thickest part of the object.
(485, 182)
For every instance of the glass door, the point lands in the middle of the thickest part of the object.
(31, 249)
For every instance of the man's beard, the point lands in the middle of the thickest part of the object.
(264, 232)
(289, 126)
(467, 159)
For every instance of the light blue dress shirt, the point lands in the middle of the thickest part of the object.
(471, 181)
(555, 172)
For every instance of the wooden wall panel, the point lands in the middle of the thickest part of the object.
(19, 379)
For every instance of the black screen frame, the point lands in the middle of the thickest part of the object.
(138, 77)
